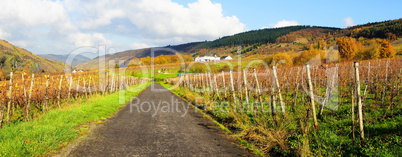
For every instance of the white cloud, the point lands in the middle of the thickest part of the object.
(159, 18)
(138, 46)
(285, 23)
(32, 13)
(202, 18)
(123, 23)
(349, 22)
(95, 39)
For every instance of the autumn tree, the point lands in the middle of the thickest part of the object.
(135, 62)
(165, 59)
(386, 50)
(391, 36)
(279, 59)
(309, 55)
(348, 47)
(372, 51)
(146, 60)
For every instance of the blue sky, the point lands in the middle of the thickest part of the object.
(61, 26)
(264, 13)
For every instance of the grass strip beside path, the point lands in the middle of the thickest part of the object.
(57, 128)
(243, 143)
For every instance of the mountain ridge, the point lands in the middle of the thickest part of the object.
(13, 58)
(268, 41)
(79, 59)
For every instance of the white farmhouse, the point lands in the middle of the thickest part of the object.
(211, 58)
(207, 58)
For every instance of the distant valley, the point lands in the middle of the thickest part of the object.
(79, 59)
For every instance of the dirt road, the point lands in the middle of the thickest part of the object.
(157, 123)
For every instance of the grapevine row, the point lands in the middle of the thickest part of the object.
(24, 96)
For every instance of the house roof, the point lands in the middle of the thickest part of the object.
(223, 57)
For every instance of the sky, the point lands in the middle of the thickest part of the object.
(62, 26)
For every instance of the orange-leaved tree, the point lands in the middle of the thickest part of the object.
(279, 59)
(348, 47)
(309, 55)
(371, 51)
(386, 50)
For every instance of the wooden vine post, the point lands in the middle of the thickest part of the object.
(46, 97)
(359, 102)
(77, 88)
(224, 83)
(311, 95)
(112, 84)
(232, 88)
(9, 95)
(107, 86)
(259, 91)
(59, 91)
(188, 81)
(278, 88)
(70, 85)
(196, 83)
(89, 85)
(246, 89)
(295, 91)
(85, 88)
(203, 82)
(23, 86)
(118, 83)
(273, 104)
(216, 86)
(210, 82)
(30, 96)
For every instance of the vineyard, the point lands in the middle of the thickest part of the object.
(313, 110)
(24, 96)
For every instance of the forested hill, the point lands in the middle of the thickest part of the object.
(188, 47)
(389, 29)
(263, 42)
(261, 36)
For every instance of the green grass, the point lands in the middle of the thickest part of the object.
(383, 136)
(162, 76)
(195, 68)
(179, 92)
(57, 128)
(157, 76)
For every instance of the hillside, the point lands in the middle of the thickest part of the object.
(124, 58)
(262, 36)
(13, 58)
(121, 58)
(389, 29)
(79, 59)
(264, 42)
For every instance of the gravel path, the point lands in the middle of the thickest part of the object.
(157, 123)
